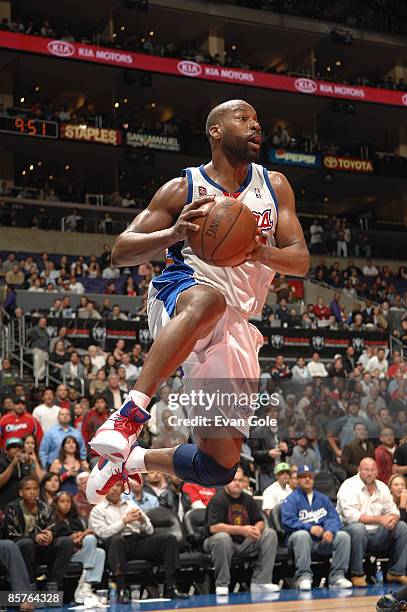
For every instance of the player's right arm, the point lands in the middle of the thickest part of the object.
(164, 222)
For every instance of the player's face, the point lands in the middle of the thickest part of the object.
(241, 133)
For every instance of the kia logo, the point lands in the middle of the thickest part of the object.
(305, 86)
(189, 68)
(61, 48)
(404, 99)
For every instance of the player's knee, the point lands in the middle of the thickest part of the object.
(193, 465)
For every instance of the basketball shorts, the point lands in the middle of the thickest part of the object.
(223, 369)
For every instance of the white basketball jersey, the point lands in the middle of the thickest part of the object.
(245, 287)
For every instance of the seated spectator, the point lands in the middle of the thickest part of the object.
(155, 483)
(80, 499)
(303, 454)
(370, 269)
(14, 466)
(175, 498)
(68, 464)
(312, 525)
(144, 499)
(52, 441)
(321, 310)
(93, 419)
(342, 429)
(335, 307)
(280, 370)
(30, 523)
(336, 368)
(110, 273)
(15, 276)
(300, 371)
(132, 371)
(129, 534)
(97, 357)
(117, 314)
(276, 493)
(47, 412)
(58, 358)
(68, 524)
(62, 336)
(354, 452)
(170, 434)
(49, 487)
(384, 454)
(235, 526)
(349, 360)
(73, 369)
(113, 395)
(316, 368)
(30, 451)
(76, 286)
(372, 519)
(62, 397)
(19, 421)
(8, 375)
(378, 362)
(319, 444)
(99, 384)
(12, 559)
(283, 314)
(398, 490)
(200, 496)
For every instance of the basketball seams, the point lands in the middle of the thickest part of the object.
(236, 254)
(227, 233)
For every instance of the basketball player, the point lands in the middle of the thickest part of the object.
(198, 313)
(393, 602)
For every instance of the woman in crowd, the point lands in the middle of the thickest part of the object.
(68, 464)
(100, 384)
(130, 288)
(92, 558)
(30, 450)
(87, 364)
(110, 367)
(49, 487)
(59, 356)
(398, 489)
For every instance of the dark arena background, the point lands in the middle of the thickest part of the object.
(101, 102)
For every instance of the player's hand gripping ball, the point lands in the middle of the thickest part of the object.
(226, 234)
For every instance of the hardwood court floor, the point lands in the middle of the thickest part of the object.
(357, 604)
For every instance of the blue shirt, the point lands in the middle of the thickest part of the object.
(147, 501)
(52, 442)
(298, 514)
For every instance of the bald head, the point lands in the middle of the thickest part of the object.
(221, 111)
(368, 471)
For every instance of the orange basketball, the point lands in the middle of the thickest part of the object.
(225, 233)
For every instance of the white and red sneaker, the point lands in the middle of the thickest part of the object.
(111, 440)
(104, 476)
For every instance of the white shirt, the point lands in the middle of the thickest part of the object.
(131, 370)
(274, 495)
(316, 232)
(354, 499)
(110, 273)
(370, 271)
(46, 416)
(98, 362)
(375, 364)
(317, 368)
(106, 520)
(77, 287)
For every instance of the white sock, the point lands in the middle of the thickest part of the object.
(135, 461)
(140, 399)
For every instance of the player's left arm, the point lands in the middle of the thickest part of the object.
(291, 255)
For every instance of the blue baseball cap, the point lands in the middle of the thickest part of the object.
(304, 469)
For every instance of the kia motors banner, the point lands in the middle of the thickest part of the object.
(86, 133)
(348, 164)
(304, 342)
(188, 68)
(153, 141)
(295, 158)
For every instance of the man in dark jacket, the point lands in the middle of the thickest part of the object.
(174, 497)
(30, 523)
(353, 453)
(313, 525)
(14, 466)
(39, 342)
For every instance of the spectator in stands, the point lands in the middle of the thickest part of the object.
(76, 286)
(300, 371)
(73, 369)
(373, 398)
(113, 395)
(144, 499)
(47, 412)
(49, 487)
(316, 367)
(99, 384)
(319, 444)
(397, 364)
(8, 374)
(30, 523)
(14, 466)
(303, 454)
(39, 343)
(80, 499)
(61, 337)
(61, 397)
(175, 498)
(336, 368)
(12, 559)
(117, 314)
(19, 422)
(110, 273)
(52, 441)
(31, 452)
(316, 233)
(73, 222)
(371, 517)
(68, 523)
(398, 490)
(280, 370)
(155, 483)
(342, 429)
(58, 358)
(129, 534)
(283, 314)
(15, 276)
(281, 137)
(321, 310)
(68, 464)
(132, 372)
(235, 526)
(312, 525)
(354, 452)
(97, 357)
(349, 360)
(385, 453)
(93, 420)
(276, 493)
(200, 496)
(378, 362)
(105, 257)
(170, 433)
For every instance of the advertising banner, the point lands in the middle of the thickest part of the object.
(152, 141)
(86, 133)
(348, 164)
(295, 158)
(191, 69)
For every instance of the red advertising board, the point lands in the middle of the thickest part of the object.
(193, 70)
(348, 164)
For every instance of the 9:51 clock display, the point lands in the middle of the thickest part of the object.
(23, 126)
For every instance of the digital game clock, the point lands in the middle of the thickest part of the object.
(23, 126)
